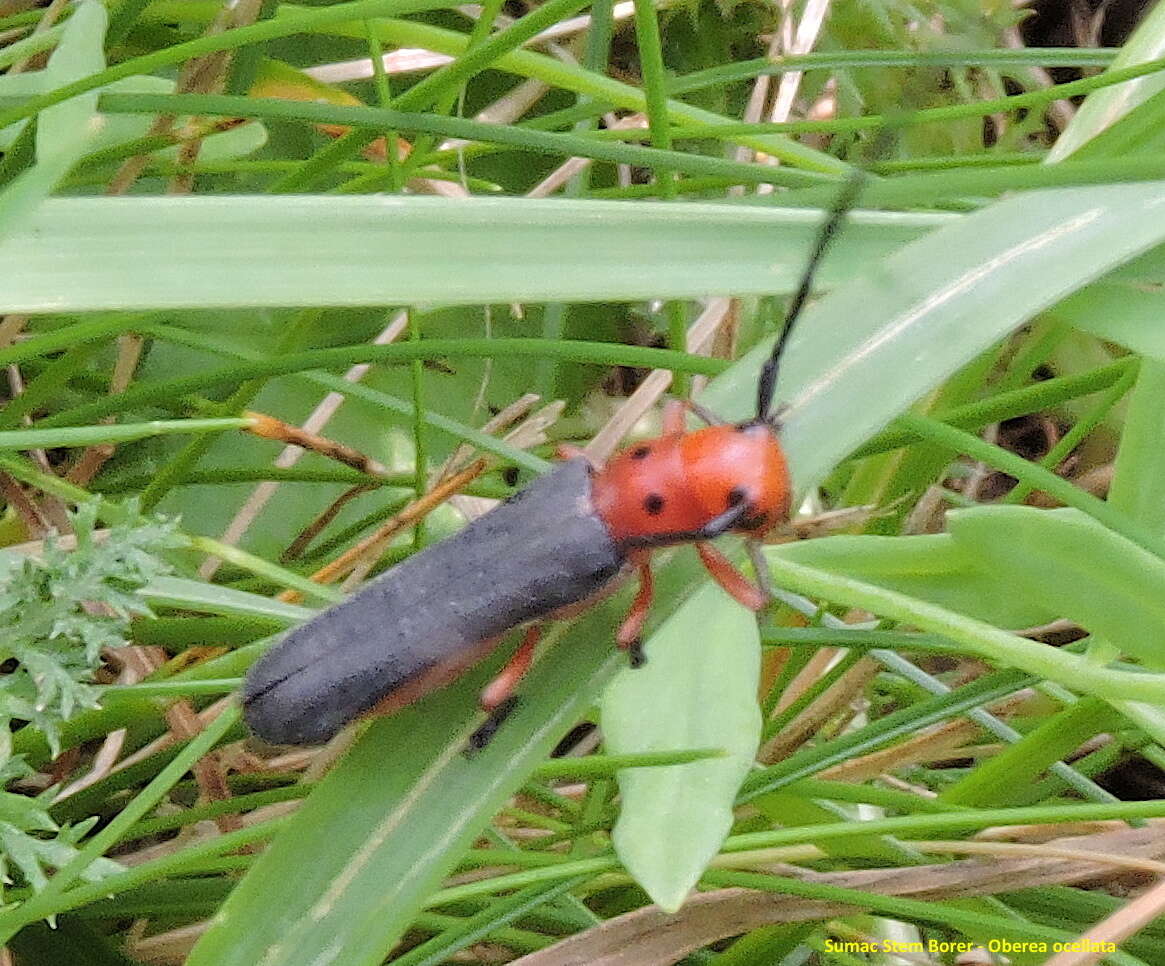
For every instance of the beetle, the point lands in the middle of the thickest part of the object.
(557, 544)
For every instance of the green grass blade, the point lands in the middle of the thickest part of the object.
(91, 253)
(64, 130)
(377, 834)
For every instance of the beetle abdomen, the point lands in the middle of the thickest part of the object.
(542, 550)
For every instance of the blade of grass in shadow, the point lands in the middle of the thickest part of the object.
(160, 391)
(1107, 107)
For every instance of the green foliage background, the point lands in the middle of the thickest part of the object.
(1006, 265)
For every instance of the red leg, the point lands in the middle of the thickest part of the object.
(564, 451)
(632, 627)
(631, 631)
(731, 579)
(502, 688)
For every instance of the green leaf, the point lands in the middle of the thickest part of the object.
(1012, 776)
(1138, 479)
(198, 595)
(1128, 313)
(931, 567)
(1138, 486)
(1074, 565)
(373, 840)
(698, 690)
(65, 130)
(47, 623)
(25, 813)
(378, 250)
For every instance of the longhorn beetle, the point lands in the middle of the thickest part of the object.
(557, 543)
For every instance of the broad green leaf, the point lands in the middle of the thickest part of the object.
(65, 130)
(1071, 563)
(1138, 479)
(698, 690)
(998, 646)
(378, 250)
(374, 838)
(1128, 313)
(1138, 487)
(932, 567)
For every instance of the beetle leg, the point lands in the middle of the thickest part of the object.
(630, 633)
(761, 566)
(731, 579)
(484, 735)
(501, 688)
(498, 699)
(564, 451)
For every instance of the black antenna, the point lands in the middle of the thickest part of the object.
(845, 201)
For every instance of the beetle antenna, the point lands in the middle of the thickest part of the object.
(846, 198)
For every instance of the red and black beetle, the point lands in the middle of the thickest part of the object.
(555, 544)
